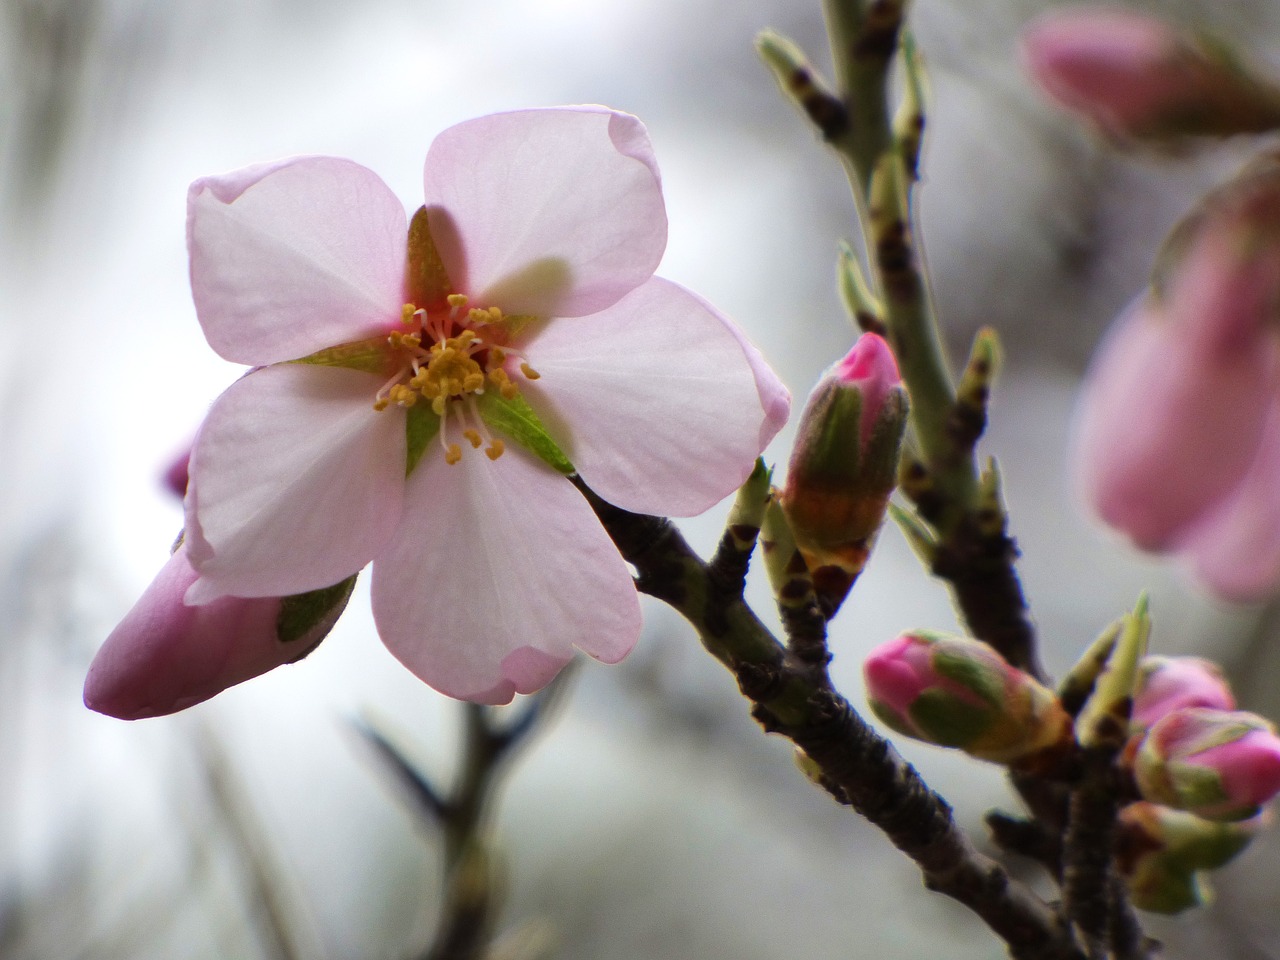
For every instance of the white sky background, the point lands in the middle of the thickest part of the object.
(656, 820)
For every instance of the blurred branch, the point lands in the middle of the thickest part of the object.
(472, 870)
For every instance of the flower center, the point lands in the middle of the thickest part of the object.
(448, 361)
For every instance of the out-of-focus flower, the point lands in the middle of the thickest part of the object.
(175, 475)
(516, 311)
(845, 466)
(957, 692)
(1161, 854)
(1178, 430)
(166, 655)
(1166, 684)
(1217, 764)
(1136, 77)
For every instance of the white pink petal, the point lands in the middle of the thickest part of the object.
(497, 572)
(297, 482)
(554, 213)
(292, 257)
(655, 401)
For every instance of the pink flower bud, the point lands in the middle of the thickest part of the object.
(1134, 76)
(957, 692)
(844, 465)
(166, 656)
(1166, 684)
(176, 474)
(1175, 408)
(1217, 764)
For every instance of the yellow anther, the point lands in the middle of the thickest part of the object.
(480, 316)
(457, 299)
(437, 406)
(398, 339)
(403, 395)
(473, 438)
(381, 403)
(497, 356)
(452, 453)
(494, 450)
(407, 312)
(529, 372)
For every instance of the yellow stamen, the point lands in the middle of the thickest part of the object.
(452, 454)
(494, 450)
(529, 372)
(457, 300)
(407, 312)
(381, 403)
(473, 438)
(398, 339)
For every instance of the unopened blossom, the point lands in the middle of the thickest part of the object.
(844, 465)
(167, 655)
(957, 692)
(1136, 77)
(1178, 429)
(1166, 684)
(421, 385)
(1162, 854)
(1217, 764)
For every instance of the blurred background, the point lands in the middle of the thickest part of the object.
(655, 820)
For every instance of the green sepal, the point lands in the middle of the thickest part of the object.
(947, 720)
(973, 675)
(420, 427)
(372, 356)
(514, 418)
(307, 618)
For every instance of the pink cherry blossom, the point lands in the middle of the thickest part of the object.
(1120, 69)
(1178, 429)
(166, 656)
(1134, 76)
(529, 288)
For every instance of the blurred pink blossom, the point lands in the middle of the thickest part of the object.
(519, 303)
(1136, 77)
(1178, 429)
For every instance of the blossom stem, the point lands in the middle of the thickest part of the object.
(855, 765)
(878, 153)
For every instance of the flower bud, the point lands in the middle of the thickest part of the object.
(1136, 77)
(1166, 684)
(1160, 853)
(1217, 764)
(166, 656)
(844, 466)
(957, 692)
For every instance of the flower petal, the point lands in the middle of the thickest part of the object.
(554, 212)
(166, 656)
(291, 257)
(1165, 430)
(497, 571)
(1236, 549)
(296, 482)
(659, 402)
